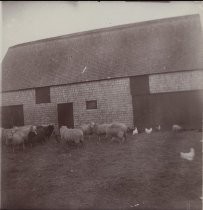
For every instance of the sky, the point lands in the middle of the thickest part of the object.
(24, 21)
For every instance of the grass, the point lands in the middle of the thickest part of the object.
(146, 172)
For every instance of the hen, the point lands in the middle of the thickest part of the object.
(189, 155)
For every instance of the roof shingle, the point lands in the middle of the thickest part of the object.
(165, 45)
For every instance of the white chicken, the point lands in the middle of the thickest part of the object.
(189, 155)
(176, 128)
(135, 131)
(148, 131)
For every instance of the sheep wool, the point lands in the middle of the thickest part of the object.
(101, 129)
(87, 128)
(117, 130)
(71, 135)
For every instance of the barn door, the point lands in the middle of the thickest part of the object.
(12, 116)
(139, 86)
(65, 114)
(183, 108)
(141, 111)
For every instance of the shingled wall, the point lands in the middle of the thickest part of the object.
(176, 81)
(113, 97)
(114, 102)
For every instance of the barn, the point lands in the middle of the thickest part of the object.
(142, 74)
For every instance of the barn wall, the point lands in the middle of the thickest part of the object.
(167, 99)
(33, 113)
(178, 81)
(114, 101)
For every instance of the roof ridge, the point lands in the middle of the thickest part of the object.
(112, 28)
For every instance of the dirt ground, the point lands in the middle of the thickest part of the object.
(146, 172)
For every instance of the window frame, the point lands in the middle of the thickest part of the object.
(90, 108)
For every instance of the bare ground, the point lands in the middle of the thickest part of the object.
(146, 172)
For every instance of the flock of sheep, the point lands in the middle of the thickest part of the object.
(76, 135)
(25, 135)
(30, 135)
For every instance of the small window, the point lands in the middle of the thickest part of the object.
(91, 104)
(42, 95)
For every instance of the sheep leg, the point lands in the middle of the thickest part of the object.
(82, 144)
(13, 148)
(125, 135)
(122, 140)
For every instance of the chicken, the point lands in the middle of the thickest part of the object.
(188, 156)
(176, 128)
(135, 131)
(148, 131)
(158, 128)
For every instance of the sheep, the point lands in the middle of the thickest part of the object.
(118, 130)
(56, 134)
(21, 135)
(71, 135)
(6, 135)
(38, 137)
(48, 129)
(87, 129)
(43, 133)
(100, 129)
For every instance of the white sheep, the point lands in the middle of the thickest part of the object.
(20, 136)
(71, 135)
(87, 129)
(6, 135)
(100, 129)
(118, 130)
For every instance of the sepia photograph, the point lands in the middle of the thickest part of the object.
(101, 105)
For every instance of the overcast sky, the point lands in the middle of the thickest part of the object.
(25, 21)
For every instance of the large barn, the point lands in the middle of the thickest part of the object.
(141, 74)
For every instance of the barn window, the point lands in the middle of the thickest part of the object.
(91, 104)
(42, 95)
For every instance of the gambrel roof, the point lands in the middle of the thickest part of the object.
(158, 46)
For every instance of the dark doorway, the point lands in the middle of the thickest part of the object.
(141, 111)
(65, 115)
(12, 116)
(183, 108)
(139, 87)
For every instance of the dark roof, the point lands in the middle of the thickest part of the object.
(158, 46)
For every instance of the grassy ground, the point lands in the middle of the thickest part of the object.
(146, 172)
